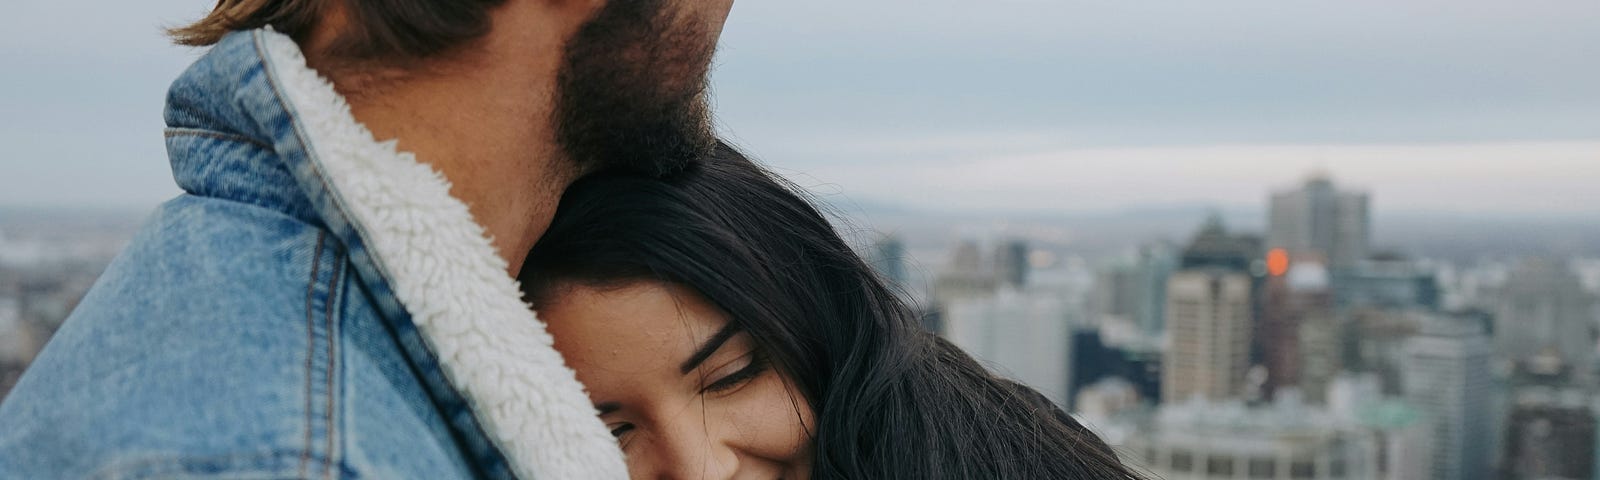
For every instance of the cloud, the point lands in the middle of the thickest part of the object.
(895, 99)
(1134, 73)
(1536, 178)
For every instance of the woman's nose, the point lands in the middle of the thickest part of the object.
(692, 446)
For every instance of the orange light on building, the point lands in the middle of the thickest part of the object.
(1277, 262)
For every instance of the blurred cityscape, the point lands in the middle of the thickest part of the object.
(48, 259)
(1302, 350)
(1305, 339)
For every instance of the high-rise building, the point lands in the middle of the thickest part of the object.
(966, 277)
(1011, 263)
(1023, 335)
(1549, 428)
(1134, 288)
(1209, 322)
(1544, 307)
(1156, 263)
(1317, 218)
(1550, 434)
(1375, 344)
(1300, 338)
(888, 258)
(1116, 290)
(1446, 376)
(1213, 246)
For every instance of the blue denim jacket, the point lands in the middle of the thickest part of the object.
(315, 305)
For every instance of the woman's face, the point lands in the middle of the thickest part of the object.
(686, 395)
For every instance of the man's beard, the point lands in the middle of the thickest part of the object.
(632, 91)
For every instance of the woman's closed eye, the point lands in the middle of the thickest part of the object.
(620, 429)
(757, 365)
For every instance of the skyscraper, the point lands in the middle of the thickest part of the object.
(888, 258)
(1208, 319)
(1550, 435)
(1156, 263)
(965, 277)
(1011, 263)
(1545, 308)
(1446, 375)
(1214, 246)
(1024, 335)
(1299, 336)
(1134, 287)
(1319, 219)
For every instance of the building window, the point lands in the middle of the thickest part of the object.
(1219, 466)
(1302, 469)
(1262, 467)
(1182, 461)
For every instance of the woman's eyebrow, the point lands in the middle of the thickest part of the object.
(710, 347)
(607, 407)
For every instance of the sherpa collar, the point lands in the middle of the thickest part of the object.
(423, 246)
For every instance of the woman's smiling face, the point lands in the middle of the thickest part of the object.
(687, 395)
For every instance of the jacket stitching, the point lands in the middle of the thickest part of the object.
(333, 288)
(311, 286)
(193, 132)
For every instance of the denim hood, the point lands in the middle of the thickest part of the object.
(428, 265)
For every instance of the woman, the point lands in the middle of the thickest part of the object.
(725, 330)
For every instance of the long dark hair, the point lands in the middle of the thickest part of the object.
(891, 399)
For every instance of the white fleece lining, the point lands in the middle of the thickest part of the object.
(448, 276)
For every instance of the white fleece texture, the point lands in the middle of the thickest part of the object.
(448, 276)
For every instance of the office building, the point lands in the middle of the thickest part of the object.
(1011, 263)
(1446, 375)
(1544, 307)
(1199, 440)
(887, 256)
(1022, 335)
(1209, 323)
(1318, 218)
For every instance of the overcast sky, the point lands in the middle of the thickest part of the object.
(1449, 105)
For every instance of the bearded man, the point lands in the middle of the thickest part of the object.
(332, 296)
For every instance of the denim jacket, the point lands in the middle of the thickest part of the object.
(314, 305)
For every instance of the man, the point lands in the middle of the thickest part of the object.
(332, 297)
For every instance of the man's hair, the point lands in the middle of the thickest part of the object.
(379, 30)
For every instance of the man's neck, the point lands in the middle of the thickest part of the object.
(491, 136)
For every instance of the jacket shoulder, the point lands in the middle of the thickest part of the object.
(196, 351)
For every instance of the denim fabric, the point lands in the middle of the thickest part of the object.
(245, 332)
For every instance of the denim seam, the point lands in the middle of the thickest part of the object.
(311, 343)
(171, 132)
(332, 334)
